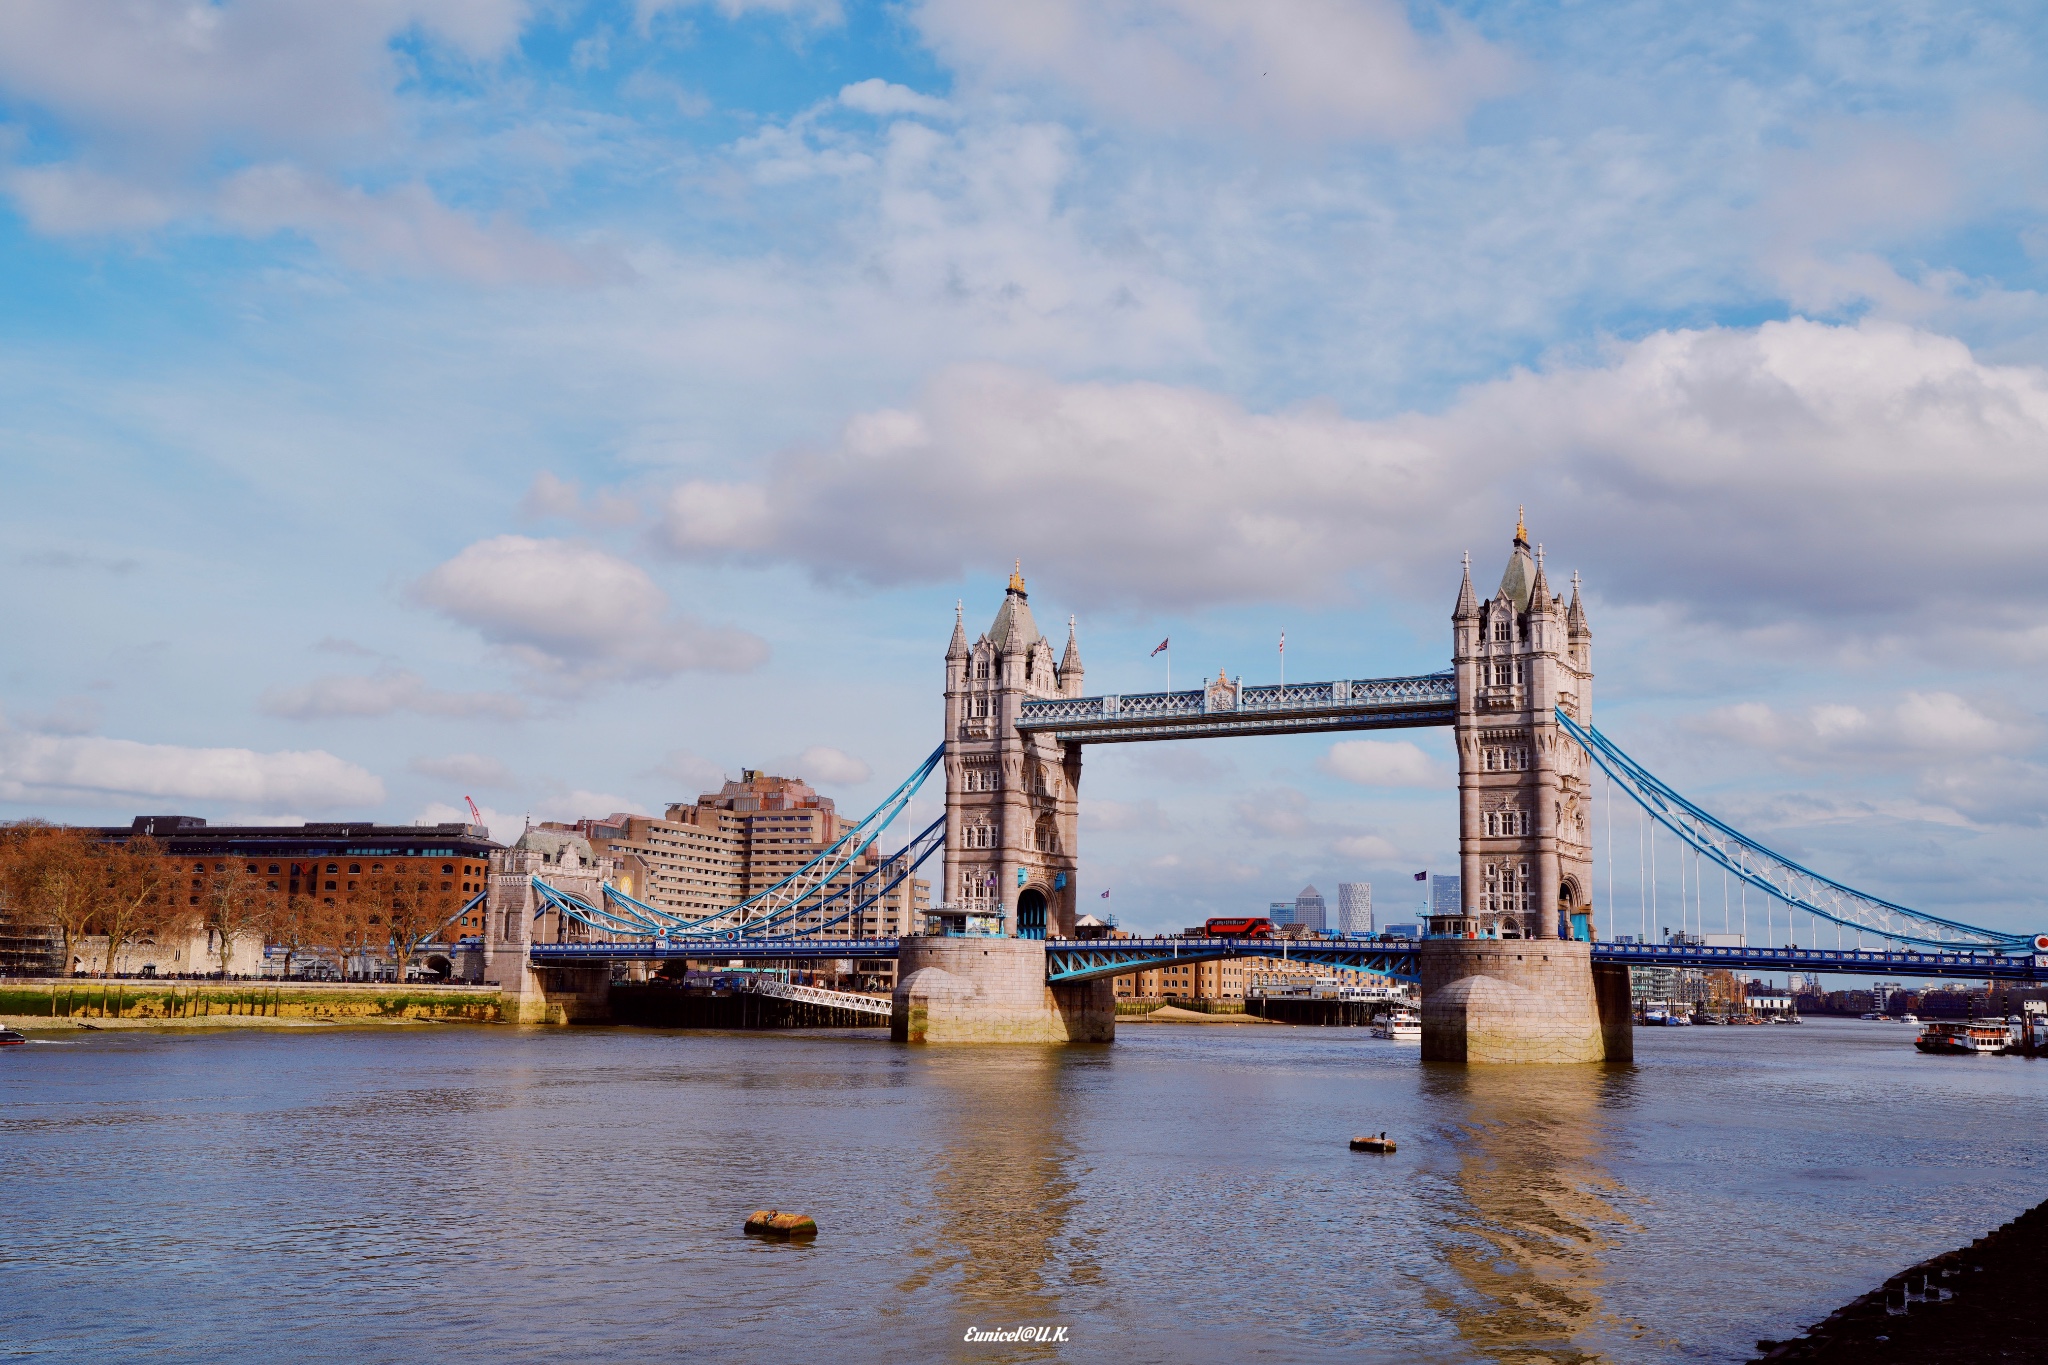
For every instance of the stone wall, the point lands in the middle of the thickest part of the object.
(992, 990)
(1509, 1000)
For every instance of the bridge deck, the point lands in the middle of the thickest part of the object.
(1070, 960)
(1292, 708)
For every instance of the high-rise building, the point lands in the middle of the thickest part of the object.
(1446, 894)
(1280, 912)
(1309, 910)
(1354, 907)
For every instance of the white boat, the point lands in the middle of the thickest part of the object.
(1403, 1026)
(1909, 1018)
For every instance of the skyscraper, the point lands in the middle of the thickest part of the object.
(1280, 912)
(1446, 895)
(1354, 907)
(1309, 910)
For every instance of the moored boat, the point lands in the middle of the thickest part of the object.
(1402, 1026)
(1956, 1037)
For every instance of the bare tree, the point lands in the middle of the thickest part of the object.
(232, 907)
(46, 873)
(411, 921)
(299, 924)
(134, 897)
(350, 926)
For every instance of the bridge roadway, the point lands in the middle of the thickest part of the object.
(1091, 959)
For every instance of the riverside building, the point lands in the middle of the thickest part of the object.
(736, 842)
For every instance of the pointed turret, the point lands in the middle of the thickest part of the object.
(1070, 663)
(1468, 601)
(957, 649)
(1575, 617)
(1540, 598)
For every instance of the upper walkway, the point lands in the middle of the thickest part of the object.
(1229, 709)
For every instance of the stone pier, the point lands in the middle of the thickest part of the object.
(992, 990)
(1510, 1000)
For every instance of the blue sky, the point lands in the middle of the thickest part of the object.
(567, 404)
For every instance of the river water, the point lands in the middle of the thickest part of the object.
(458, 1193)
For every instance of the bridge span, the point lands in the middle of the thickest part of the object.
(1077, 960)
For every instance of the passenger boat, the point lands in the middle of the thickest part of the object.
(1953, 1037)
(10, 1038)
(1909, 1018)
(1403, 1026)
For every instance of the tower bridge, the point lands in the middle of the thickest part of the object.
(1521, 971)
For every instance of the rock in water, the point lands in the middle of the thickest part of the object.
(793, 1225)
(1372, 1144)
(782, 1226)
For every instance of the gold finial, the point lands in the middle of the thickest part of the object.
(1017, 577)
(1521, 533)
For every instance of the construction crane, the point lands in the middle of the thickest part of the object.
(476, 816)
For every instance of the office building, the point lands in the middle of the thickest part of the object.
(1354, 907)
(1281, 913)
(1446, 895)
(1309, 910)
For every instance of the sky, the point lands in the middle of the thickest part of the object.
(566, 405)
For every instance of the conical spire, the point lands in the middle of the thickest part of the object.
(1576, 617)
(1515, 583)
(958, 648)
(1468, 601)
(1071, 660)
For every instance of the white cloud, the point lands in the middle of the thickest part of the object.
(550, 496)
(1370, 848)
(696, 773)
(1921, 726)
(821, 764)
(1870, 474)
(1302, 68)
(37, 768)
(883, 98)
(173, 76)
(1383, 763)
(574, 614)
(470, 770)
(1122, 817)
(383, 694)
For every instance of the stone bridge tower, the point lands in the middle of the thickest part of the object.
(1511, 977)
(1525, 850)
(1012, 801)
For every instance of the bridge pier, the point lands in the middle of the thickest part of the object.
(992, 990)
(1514, 1001)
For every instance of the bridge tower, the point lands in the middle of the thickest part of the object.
(1510, 976)
(1525, 853)
(1011, 825)
(1011, 799)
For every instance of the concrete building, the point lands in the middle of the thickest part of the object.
(1310, 911)
(739, 841)
(1354, 908)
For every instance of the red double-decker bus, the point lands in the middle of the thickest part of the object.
(1240, 926)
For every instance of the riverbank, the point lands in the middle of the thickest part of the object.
(1981, 1303)
(183, 1004)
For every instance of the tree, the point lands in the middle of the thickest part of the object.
(411, 920)
(349, 925)
(133, 892)
(232, 907)
(299, 924)
(45, 874)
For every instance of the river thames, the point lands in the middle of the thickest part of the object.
(470, 1193)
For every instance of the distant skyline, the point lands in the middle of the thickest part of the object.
(569, 405)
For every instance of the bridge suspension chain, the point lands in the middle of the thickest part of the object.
(1775, 874)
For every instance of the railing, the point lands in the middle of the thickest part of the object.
(818, 995)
